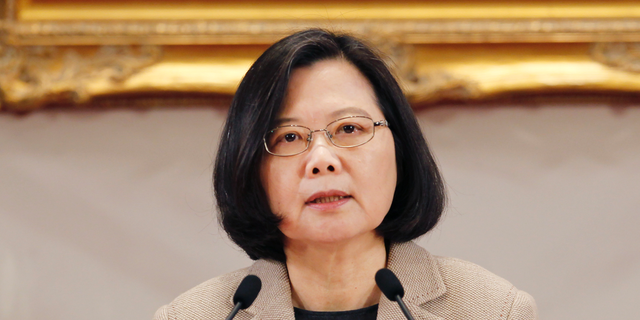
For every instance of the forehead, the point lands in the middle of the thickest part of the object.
(328, 90)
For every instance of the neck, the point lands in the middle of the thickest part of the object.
(337, 276)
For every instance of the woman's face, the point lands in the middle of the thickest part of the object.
(329, 194)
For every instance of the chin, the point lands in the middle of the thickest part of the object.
(328, 228)
(327, 236)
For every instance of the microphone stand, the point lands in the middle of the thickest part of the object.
(404, 308)
(392, 289)
(235, 310)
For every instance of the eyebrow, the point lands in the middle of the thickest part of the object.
(280, 121)
(353, 111)
(350, 111)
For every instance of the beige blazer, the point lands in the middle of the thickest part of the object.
(436, 288)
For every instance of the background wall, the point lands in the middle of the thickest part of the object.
(109, 214)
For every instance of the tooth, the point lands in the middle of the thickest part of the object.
(328, 199)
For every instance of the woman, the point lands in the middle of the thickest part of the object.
(323, 177)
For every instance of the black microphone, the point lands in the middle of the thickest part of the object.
(245, 294)
(392, 289)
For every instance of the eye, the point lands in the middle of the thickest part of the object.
(349, 128)
(290, 137)
(287, 137)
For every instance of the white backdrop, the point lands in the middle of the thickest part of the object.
(109, 214)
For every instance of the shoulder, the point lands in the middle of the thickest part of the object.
(478, 293)
(459, 274)
(211, 299)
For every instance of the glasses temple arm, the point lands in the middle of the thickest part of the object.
(381, 123)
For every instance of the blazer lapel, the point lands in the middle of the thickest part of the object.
(416, 269)
(274, 299)
(418, 272)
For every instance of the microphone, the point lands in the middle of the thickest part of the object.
(392, 289)
(245, 294)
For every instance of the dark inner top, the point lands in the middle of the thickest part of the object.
(368, 313)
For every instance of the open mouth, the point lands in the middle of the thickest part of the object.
(328, 196)
(328, 199)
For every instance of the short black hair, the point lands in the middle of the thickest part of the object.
(243, 205)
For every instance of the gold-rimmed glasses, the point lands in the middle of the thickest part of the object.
(347, 132)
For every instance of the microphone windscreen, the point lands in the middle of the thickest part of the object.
(247, 291)
(389, 284)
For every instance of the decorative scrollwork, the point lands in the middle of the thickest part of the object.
(619, 55)
(419, 88)
(33, 76)
(267, 31)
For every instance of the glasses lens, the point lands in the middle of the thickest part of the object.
(286, 140)
(351, 132)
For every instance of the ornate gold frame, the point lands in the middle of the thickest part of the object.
(72, 52)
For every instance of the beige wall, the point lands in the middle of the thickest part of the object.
(108, 215)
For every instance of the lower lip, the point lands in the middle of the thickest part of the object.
(328, 205)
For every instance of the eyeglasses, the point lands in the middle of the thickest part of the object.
(347, 132)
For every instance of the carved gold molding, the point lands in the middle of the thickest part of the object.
(51, 52)
(31, 77)
(621, 55)
(420, 88)
(265, 32)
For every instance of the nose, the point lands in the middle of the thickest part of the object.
(321, 159)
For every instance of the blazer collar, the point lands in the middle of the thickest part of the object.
(416, 269)
(420, 276)
(274, 300)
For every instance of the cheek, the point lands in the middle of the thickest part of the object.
(269, 184)
(279, 185)
(377, 177)
(386, 179)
